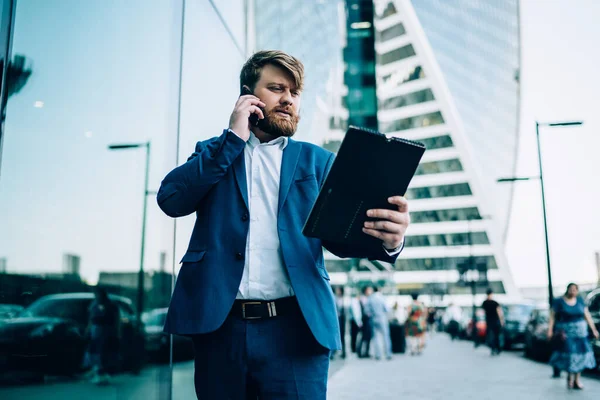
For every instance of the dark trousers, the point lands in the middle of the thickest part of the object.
(342, 321)
(366, 334)
(354, 330)
(494, 331)
(266, 359)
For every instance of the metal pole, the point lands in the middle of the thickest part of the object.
(550, 291)
(141, 291)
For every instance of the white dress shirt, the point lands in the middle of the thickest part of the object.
(265, 276)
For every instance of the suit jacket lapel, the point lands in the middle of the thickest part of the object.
(291, 154)
(239, 170)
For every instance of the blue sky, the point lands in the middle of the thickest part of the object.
(104, 79)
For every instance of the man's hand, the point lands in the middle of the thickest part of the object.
(244, 107)
(392, 224)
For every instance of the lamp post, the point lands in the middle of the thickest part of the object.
(541, 178)
(140, 288)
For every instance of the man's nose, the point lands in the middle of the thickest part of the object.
(286, 98)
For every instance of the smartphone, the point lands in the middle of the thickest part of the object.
(253, 117)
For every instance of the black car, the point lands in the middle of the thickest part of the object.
(537, 345)
(49, 337)
(157, 341)
(516, 317)
(593, 304)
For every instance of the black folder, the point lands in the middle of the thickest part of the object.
(369, 168)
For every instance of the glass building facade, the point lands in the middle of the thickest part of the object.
(96, 89)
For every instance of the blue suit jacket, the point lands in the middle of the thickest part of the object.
(212, 183)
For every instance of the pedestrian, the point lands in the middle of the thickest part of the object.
(568, 331)
(451, 319)
(355, 321)
(103, 328)
(416, 325)
(366, 332)
(341, 312)
(431, 319)
(494, 320)
(253, 292)
(381, 325)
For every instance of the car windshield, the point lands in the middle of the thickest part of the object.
(520, 311)
(74, 309)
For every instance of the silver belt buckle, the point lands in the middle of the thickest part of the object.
(272, 309)
(244, 309)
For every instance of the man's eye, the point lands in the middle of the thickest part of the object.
(274, 88)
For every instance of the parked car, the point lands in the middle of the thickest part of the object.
(537, 345)
(157, 342)
(516, 317)
(593, 303)
(49, 336)
(8, 311)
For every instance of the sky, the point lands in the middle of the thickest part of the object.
(62, 191)
(560, 82)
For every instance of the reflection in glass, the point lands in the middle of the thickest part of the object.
(457, 189)
(438, 167)
(391, 32)
(454, 214)
(396, 55)
(447, 239)
(418, 121)
(437, 142)
(420, 96)
(441, 264)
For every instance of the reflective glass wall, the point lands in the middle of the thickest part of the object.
(110, 95)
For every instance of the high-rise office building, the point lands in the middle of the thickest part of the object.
(447, 75)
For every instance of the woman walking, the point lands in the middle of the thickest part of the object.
(568, 330)
(416, 325)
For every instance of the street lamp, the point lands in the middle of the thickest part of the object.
(541, 178)
(140, 289)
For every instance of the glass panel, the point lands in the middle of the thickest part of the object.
(72, 210)
(396, 55)
(452, 288)
(408, 99)
(418, 121)
(435, 264)
(403, 75)
(458, 189)
(438, 167)
(449, 239)
(438, 142)
(392, 32)
(455, 214)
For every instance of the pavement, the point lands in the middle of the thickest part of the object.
(446, 371)
(454, 370)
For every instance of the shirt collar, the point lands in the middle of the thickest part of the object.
(281, 141)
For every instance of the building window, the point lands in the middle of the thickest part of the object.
(418, 121)
(438, 142)
(396, 55)
(457, 189)
(420, 96)
(452, 288)
(405, 75)
(454, 214)
(449, 239)
(441, 264)
(392, 32)
(438, 167)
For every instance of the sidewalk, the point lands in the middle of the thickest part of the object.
(451, 371)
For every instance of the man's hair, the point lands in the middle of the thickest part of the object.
(414, 295)
(252, 69)
(489, 291)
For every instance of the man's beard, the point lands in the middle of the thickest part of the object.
(276, 125)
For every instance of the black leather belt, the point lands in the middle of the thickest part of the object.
(260, 309)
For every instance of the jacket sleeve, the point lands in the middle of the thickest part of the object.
(345, 251)
(183, 188)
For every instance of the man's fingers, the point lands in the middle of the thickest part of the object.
(386, 226)
(378, 234)
(249, 99)
(256, 110)
(390, 215)
(400, 201)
